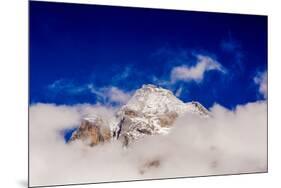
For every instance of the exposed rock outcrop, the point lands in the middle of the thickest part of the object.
(92, 131)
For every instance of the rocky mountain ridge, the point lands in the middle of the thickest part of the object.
(151, 110)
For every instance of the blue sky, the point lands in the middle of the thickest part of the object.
(101, 54)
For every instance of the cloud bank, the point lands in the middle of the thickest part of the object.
(228, 142)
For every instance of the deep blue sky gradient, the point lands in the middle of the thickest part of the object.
(75, 45)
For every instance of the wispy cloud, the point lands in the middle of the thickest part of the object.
(127, 71)
(99, 94)
(179, 91)
(111, 94)
(232, 47)
(195, 73)
(67, 86)
(261, 80)
(123, 74)
(106, 94)
(117, 95)
(161, 82)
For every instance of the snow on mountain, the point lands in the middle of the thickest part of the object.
(154, 100)
(151, 110)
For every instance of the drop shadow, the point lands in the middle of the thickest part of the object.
(23, 183)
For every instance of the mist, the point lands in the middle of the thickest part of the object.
(229, 142)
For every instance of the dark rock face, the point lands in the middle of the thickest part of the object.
(150, 164)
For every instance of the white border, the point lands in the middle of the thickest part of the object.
(13, 82)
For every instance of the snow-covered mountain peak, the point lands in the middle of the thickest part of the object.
(151, 110)
(151, 99)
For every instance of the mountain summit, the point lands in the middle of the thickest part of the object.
(151, 110)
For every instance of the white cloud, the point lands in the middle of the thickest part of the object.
(161, 82)
(179, 92)
(111, 93)
(96, 91)
(229, 142)
(196, 73)
(127, 71)
(117, 95)
(261, 80)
